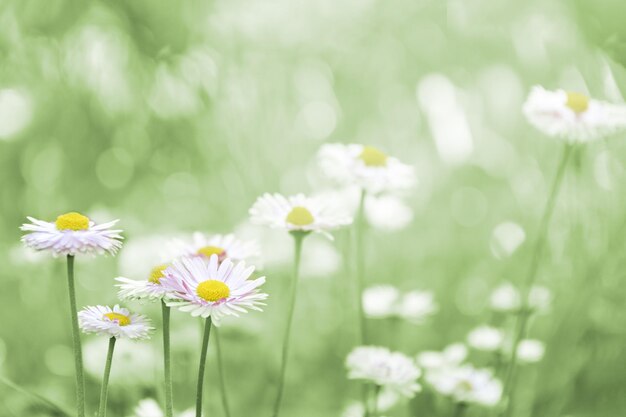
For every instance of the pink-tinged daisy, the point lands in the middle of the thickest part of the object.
(212, 288)
(365, 166)
(115, 322)
(573, 116)
(224, 246)
(297, 214)
(71, 234)
(147, 289)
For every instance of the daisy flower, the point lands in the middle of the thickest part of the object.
(573, 116)
(530, 350)
(151, 288)
(297, 214)
(451, 356)
(115, 322)
(416, 306)
(70, 234)
(380, 301)
(467, 384)
(486, 338)
(365, 166)
(212, 288)
(385, 301)
(391, 370)
(224, 246)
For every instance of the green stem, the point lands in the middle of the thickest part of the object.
(102, 408)
(205, 346)
(220, 371)
(360, 267)
(167, 360)
(78, 353)
(374, 402)
(298, 238)
(522, 318)
(459, 409)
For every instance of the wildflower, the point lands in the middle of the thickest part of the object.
(390, 370)
(486, 338)
(150, 289)
(212, 289)
(530, 350)
(365, 166)
(115, 322)
(70, 234)
(466, 384)
(297, 214)
(573, 116)
(224, 246)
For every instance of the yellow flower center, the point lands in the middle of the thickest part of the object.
(211, 250)
(577, 102)
(157, 273)
(213, 290)
(72, 221)
(373, 157)
(300, 216)
(465, 385)
(121, 319)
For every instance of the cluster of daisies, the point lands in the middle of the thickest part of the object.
(212, 277)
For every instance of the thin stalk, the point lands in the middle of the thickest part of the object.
(522, 318)
(360, 266)
(298, 238)
(205, 345)
(102, 408)
(374, 402)
(167, 367)
(220, 371)
(459, 409)
(78, 352)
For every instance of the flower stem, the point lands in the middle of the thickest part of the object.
(78, 353)
(205, 346)
(167, 360)
(102, 408)
(298, 238)
(220, 371)
(374, 402)
(360, 266)
(459, 409)
(522, 318)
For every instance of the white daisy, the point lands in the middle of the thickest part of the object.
(486, 338)
(115, 322)
(212, 288)
(416, 306)
(380, 301)
(391, 370)
(530, 350)
(365, 166)
(505, 298)
(451, 356)
(467, 384)
(150, 289)
(573, 116)
(70, 234)
(224, 246)
(297, 213)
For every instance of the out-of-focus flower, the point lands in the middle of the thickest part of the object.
(416, 306)
(573, 116)
(297, 213)
(142, 253)
(380, 301)
(224, 246)
(486, 338)
(321, 258)
(505, 298)
(390, 370)
(467, 384)
(539, 298)
(115, 322)
(451, 356)
(212, 288)
(384, 301)
(530, 350)
(151, 288)
(506, 238)
(365, 166)
(150, 408)
(134, 362)
(388, 212)
(71, 234)
(16, 111)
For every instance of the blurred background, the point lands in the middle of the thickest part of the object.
(175, 116)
